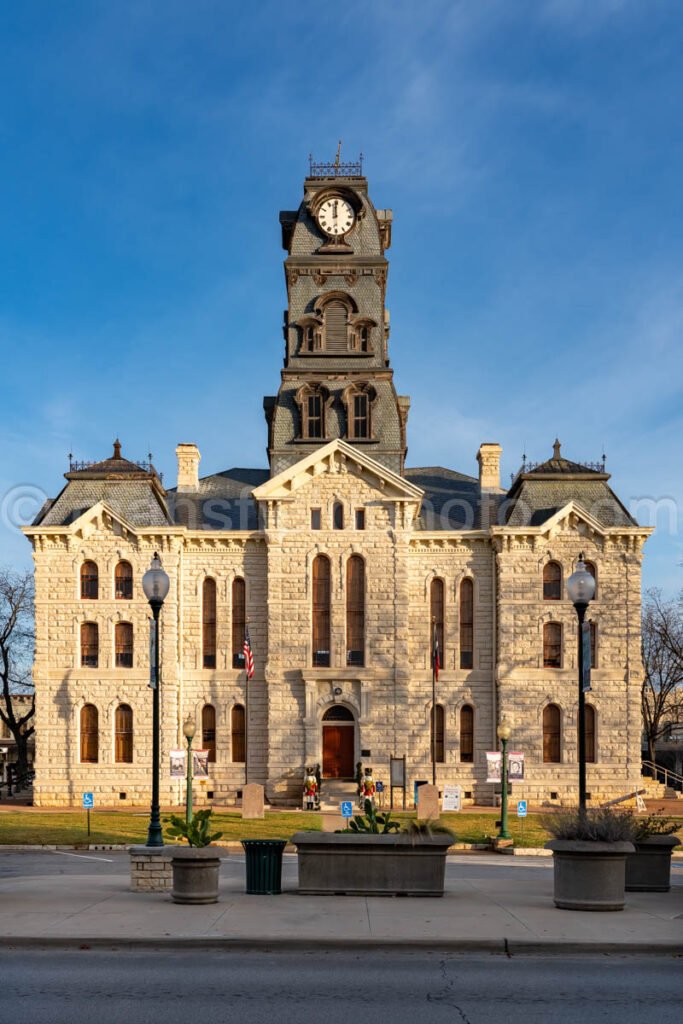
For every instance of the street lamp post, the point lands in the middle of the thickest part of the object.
(188, 732)
(504, 735)
(581, 588)
(155, 584)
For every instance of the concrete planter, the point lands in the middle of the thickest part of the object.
(649, 868)
(370, 865)
(195, 873)
(589, 875)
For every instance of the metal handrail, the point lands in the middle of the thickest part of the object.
(654, 770)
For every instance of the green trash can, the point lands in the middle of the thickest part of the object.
(264, 866)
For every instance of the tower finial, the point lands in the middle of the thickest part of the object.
(556, 450)
(117, 449)
(338, 156)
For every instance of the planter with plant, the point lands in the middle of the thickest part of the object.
(195, 866)
(589, 857)
(372, 857)
(648, 869)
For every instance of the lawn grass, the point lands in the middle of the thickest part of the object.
(123, 827)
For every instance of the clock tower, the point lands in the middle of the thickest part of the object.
(336, 380)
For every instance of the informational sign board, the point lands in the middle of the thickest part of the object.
(515, 766)
(452, 798)
(88, 801)
(521, 808)
(494, 760)
(586, 647)
(346, 807)
(178, 763)
(398, 772)
(200, 764)
(152, 655)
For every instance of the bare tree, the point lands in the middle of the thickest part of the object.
(662, 691)
(16, 655)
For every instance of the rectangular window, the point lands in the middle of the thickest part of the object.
(315, 416)
(360, 416)
(316, 519)
(360, 518)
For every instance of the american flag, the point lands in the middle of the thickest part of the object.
(436, 660)
(248, 654)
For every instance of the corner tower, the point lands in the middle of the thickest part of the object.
(336, 380)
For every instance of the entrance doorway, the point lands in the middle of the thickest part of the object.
(339, 742)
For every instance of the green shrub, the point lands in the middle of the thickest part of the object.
(600, 824)
(196, 832)
(656, 824)
(372, 821)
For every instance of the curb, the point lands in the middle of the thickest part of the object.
(501, 947)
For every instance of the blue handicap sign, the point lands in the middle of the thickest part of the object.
(88, 801)
(380, 786)
(521, 808)
(347, 809)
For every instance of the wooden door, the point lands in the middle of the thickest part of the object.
(338, 751)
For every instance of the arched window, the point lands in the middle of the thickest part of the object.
(467, 734)
(467, 623)
(361, 335)
(438, 743)
(89, 581)
(89, 734)
(590, 567)
(551, 734)
(355, 611)
(123, 734)
(239, 621)
(321, 611)
(436, 619)
(90, 645)
(336, 320)
(312, 339)
(337, 516)
(312, 401)
(209, 623)
(123, 645)
(552, 645)
(209, 730)
(123, 581)
(590, 733)
(552, 581)
(237, 734)
(358, 400)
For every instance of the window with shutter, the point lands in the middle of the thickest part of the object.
(90, 645)
(237, 734)
(123, 734)
(355, 611)
(123, 645)
(209, 623)
(552, 581)
(321, 611)
(466, 624)
(89, 734)
(239, 621)
(436, 613)
(552, 645)
(209, 730)
(551, 734)
(336, 326)
(89, 581)
(123, 581)
(438, 747)
(467, 734)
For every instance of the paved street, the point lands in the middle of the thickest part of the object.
(147, 987)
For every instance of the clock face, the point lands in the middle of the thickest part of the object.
(336, 216)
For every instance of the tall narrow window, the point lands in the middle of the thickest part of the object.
(209, 623)
(436, 590)
(316, 519)
(355, 611)
(436, 718)
(360, 518)
(239, 621)
(361, 419)
(90, 645)
(552, 581)
(551, 734)
(89, 734)
(123, 581)
(123, 645)
(467, 734)
(337, 516)
(594, 643)
(590, 567)
(314, 410)
(123, 734)
(590, 733)
(336, 326)
(237, 734)
(321, 611)
(552, 645)
(209, 730)
(89, 581)
(467, 623)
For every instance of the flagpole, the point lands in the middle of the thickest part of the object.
(433, 700)
(246, 711)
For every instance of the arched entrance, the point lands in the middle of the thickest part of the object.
(339, 743)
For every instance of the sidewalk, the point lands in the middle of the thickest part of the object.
(484, 909)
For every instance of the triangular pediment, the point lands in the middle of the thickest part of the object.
(338, 458)
(99, 518)
(566, 517)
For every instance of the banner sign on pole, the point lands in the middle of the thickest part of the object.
(200, 764)
(452, 798)
(494, 760)
(152, 655)
(178, 764)
(586, 646)
(515, 766)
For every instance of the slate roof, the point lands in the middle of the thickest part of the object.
(221, 502)
(451, 501)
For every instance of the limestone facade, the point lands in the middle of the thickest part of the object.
(340, 496)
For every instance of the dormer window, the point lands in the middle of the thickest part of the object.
(359, 399)
(311, 335)
(336, 326)
(312, 401)
(360, 337)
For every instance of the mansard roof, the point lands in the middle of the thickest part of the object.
(222, 501)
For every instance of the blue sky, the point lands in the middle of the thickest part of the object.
(532, 154)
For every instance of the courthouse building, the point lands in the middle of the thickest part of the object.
(339, 556)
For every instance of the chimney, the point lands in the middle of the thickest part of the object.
(188, 467)
(488, 458)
